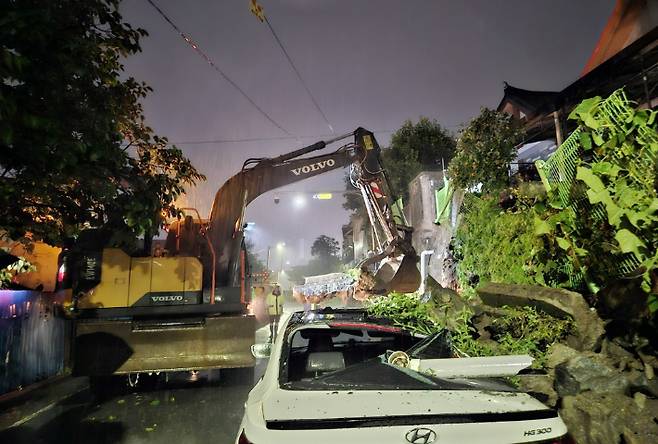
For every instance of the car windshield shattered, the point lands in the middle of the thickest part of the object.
(354, 355)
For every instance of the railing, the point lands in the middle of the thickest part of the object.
(558, 173)
(34, 339)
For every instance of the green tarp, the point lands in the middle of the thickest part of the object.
(443, 197)
(397, 211)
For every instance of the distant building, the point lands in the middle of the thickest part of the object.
(357, 239)
(626, 55)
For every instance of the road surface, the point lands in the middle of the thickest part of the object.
(186, 408)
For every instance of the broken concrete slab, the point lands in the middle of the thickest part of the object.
(589, 372)
(553, 301)
(539, 387)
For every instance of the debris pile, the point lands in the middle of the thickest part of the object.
(316, 289)
(601, 378)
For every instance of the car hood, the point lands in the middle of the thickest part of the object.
(283, 407)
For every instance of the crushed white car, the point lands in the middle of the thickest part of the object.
(340, 376)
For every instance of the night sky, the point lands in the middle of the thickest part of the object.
(368, 63)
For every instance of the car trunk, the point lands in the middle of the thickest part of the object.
(389, 415)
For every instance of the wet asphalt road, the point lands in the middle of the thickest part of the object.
(178, 410)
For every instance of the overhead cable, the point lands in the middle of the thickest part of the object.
(299, 75)
(258, 139)
(207, 58)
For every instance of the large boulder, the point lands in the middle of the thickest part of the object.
(589, 371)
(559, 353)
(447, 303)
(554, 301)
(610, 418)
(624, 300)
(539, 387)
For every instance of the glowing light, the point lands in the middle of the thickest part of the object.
(299, 201)
(61, 273)
(323, 196)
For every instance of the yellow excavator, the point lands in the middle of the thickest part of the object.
(185, 307)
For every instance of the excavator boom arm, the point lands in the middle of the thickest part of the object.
(265, 174)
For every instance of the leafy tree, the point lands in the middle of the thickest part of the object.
(353, 200)
(325, 247)
(325, 259)
(255, 262)
(485, 148)
(11, 266)
(415, 147)
(74, 147)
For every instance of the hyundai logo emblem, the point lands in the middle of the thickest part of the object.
(420, 436)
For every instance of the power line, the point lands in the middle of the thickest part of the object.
(299, 75)
(258, 139)
(196, 48)
(268, 139)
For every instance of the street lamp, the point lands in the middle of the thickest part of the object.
(299, 201)
(280, 248)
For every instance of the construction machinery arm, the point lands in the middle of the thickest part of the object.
(259, 175)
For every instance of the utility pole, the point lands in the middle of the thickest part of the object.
(558, 127)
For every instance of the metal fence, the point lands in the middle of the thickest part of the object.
(34, 339)
(558, 173)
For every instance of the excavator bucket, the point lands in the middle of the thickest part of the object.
(398, 274)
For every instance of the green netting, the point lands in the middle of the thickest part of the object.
(558, 173)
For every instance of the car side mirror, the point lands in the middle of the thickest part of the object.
(261, 351)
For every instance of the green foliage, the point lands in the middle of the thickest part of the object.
(324, 247)
(256, 264)
(7, 274)
(353, 200)
(416, 147)
(74, 148)
(325, 260)
(527, 330)
(612, 230)
(406, 311)
(520, 330)
(485, 148)
(494, 245)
